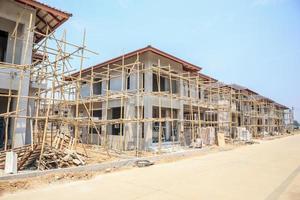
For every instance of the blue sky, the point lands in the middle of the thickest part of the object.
(255, 43)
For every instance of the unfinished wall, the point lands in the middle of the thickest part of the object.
(12, 13)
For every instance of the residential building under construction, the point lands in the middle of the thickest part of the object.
(145, 100)
(148, 98)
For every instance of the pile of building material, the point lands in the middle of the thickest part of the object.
(275, 133)
(54, 158)
(197, 144)
(57, 155)
(243, 134)
(208, 135)
(264, 133)
(221, 139)
(26, 156)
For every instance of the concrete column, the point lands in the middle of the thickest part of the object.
(104, 113)
(148, 125)
(129, 128)
(168, 124)
(20, 125)
(29, 124)
(181, 112)
(148, 105)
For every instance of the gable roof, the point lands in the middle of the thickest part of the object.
(45, 16)
(186, 65)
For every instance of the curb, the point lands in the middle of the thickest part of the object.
(105, 165)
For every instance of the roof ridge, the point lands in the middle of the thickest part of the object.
(185, 64)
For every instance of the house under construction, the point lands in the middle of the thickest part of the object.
(148, 98)
(23, 25)
(144, 100)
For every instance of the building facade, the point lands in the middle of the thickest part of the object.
(23, 24)
(148, 99)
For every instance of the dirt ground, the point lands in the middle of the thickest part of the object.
(269, 170)
(12, 186)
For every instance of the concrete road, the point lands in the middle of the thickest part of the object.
(270, 170)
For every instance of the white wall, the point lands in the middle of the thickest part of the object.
(9, 14)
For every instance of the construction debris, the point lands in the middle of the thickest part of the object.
(26, 155)
(143, 163)
(197, 144)
(243, 134)
(51, 158)
(54, 158)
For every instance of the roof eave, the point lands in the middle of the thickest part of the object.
(45, 7)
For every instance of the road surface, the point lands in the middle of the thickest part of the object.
(270, 170)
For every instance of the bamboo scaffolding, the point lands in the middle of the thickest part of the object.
(204, 101)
